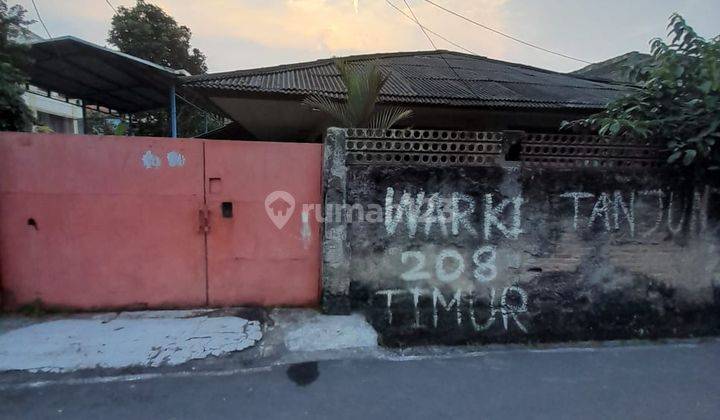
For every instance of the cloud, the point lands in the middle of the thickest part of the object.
(249, 33)
(308, 28)
(322, 25)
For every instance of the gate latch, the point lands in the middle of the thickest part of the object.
(204, 219)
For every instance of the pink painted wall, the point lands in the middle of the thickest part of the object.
(116, 224)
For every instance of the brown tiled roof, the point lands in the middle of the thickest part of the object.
(424, 77)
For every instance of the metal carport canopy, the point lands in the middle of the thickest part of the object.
(101, 76)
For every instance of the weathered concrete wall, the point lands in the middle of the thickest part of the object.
(503, 252)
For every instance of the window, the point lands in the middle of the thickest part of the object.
(56, 123)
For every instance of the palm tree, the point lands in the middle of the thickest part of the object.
(363, 85)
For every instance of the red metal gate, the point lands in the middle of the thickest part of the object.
(250, 259)
(116, 222)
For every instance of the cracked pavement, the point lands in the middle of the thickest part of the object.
(148, 338)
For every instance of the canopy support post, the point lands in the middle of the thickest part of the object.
(84, 124)
(173, 113)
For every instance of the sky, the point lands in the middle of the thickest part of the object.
(240, 34)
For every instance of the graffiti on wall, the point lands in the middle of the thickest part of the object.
(615, 211)
(449, 280)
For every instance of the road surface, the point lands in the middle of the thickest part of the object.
(646, 381)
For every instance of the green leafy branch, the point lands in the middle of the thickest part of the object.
(676, 100)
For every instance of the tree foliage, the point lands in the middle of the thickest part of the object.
(677, 100)
(14, 113)
(147, 32)
(363, 83)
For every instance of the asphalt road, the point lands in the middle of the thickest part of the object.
(670, 381)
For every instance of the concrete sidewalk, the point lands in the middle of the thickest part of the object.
(145, 344)
(151, 339)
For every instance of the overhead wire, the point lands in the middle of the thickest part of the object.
(37, 13)
(430, 30)
(516, 39)
(419, 24)
(111, 6)
(422, 28)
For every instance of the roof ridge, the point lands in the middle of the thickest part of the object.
(319, 62)
(361, 57)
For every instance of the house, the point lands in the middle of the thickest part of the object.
(616, 69)
(445, 89)
(54, 111)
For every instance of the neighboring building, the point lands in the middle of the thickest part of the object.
(54, 111)
(111, 85)
(51, 110)
(445, 89)
(616, 69)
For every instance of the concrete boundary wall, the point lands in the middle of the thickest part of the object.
(576, 238)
